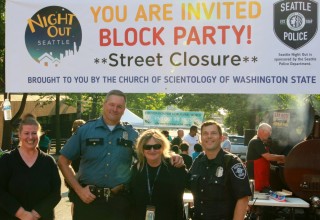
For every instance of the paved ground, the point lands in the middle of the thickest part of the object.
(63, 209)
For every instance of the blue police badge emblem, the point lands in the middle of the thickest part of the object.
(295, 23)
(239, 171)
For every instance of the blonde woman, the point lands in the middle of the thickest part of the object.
(157, 186)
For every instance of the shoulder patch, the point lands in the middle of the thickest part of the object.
(239, 171)
(126, 124)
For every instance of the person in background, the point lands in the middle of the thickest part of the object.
(75, 125)
(166, 133)
(218, 179)
(29, 178)
(259, 157)
(184, 147)
(226, 144)
(197, 151)
(14, 138)
(75, 164)
(106, 149)
(157, 187)
(178, 140)
(192, 138)
(175, 149)
(45, 142)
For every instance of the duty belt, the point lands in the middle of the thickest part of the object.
(102, 192)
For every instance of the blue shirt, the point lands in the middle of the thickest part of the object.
(105, 156)
(195, 154)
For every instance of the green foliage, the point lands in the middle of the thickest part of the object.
(91, 103)
(2, 45)
(242, 109)
(137, 102)
(2, 24)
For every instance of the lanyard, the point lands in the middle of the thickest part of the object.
(150, 189)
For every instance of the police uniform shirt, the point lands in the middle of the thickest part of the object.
(216, 185)
(106, 156)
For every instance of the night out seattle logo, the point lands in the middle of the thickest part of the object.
(53, 35)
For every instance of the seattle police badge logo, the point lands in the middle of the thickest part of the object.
(239, 171)
(295, 22)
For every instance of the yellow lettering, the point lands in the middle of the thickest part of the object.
(254, 13)
(167, 12)
(240, 9)
(31, 22)
(95, 13)
(141, 14)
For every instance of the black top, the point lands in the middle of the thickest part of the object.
(256, 148)
(187, 160)
(167, 195)
(36, 187)
(176, 141)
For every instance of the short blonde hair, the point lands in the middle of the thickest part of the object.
(144, 138)
(76, 124)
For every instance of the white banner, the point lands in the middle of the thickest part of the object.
(253, 46)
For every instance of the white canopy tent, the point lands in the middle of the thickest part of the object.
(132, 118)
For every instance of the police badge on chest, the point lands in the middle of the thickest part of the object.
(219, 171)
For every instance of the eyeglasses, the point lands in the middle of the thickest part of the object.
(154, 146)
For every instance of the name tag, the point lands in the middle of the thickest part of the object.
(94, 141)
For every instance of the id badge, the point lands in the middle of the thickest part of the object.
(150, 213)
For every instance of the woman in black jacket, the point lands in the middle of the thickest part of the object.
(157, 187)
(29, 178)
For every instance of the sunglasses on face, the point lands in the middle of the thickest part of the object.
(154, 146)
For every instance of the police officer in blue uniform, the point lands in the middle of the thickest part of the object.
(105, 148)
(218, 180)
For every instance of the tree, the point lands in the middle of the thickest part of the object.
(2, 45)
(58, 131)
(242, 109)
(8, 125)
(137, 102)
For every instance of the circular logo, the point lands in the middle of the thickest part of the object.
(296, 21)
(53, 35)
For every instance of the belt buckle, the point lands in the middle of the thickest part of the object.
(107, 193)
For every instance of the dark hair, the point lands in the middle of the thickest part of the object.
(29, 119)
(193, 128)
(197, 148)
(184, 147)
(176, 141)
(165, 132)
(211, 122)
(175, 149)
(117, 93)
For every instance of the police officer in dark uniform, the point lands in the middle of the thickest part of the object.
(105, 148)
(218, 180)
